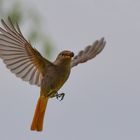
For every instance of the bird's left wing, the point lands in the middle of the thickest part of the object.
(89, 52)
(19, 56)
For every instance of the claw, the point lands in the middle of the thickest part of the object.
(61, 95)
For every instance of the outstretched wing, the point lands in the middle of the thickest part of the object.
(89, 52)
(19, 56)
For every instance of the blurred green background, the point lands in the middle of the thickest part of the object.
(24, 14)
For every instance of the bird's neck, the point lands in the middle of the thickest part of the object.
(65, 63)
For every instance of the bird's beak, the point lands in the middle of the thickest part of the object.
(71, 54)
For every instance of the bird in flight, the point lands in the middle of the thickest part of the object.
(27, 63)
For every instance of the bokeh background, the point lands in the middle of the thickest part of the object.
(102, 99)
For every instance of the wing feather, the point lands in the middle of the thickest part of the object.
(89, 52)
(19, 56)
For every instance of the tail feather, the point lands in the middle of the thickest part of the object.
(37, 123)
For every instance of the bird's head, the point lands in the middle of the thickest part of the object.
(64, 56)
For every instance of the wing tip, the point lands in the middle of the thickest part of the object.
(2, 21)
(102, 39)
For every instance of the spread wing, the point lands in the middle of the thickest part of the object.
(89, 52)
(19, 56)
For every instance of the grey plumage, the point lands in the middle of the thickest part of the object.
(89, 52)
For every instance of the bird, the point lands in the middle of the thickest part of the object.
(28, 64)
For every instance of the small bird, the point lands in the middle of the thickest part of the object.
(27, 63)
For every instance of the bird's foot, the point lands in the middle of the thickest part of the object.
(61, 95)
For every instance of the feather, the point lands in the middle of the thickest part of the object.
(89, 52)
(19, 56)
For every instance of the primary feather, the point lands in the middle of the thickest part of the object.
(89, 52)
(19, 56)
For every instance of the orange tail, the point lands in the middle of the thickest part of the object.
(37, 123)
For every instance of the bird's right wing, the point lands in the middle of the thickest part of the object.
(89, 52)
(19, 56)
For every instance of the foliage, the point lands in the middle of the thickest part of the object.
(22, 14)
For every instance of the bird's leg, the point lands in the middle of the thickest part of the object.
(61, 95)
(57, 95)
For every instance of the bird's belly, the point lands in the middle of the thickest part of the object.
(59, 82)
(52, 83)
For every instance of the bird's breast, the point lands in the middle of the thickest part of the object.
(55, 78)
